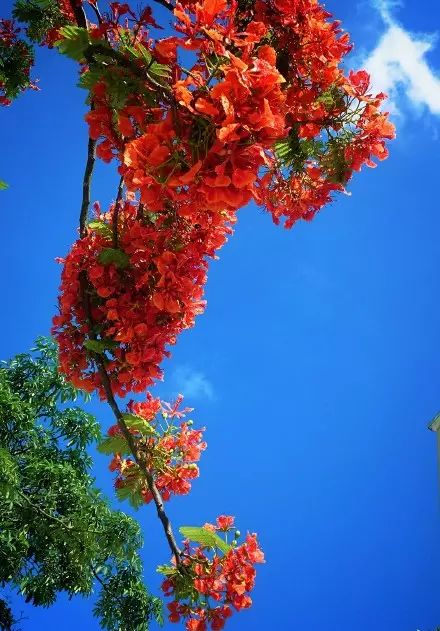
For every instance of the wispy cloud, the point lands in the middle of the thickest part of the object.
(398, 64)
(192, 383)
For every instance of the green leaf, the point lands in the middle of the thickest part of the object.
(139, 424)
(132, 491)
(113, 445)
(3, 185)
(100, 346)
(88, 79)
(101, 228)
(205, 537)
(166, 570)
(113, 256)
(43, 4)
(74, 43)
(159, 70)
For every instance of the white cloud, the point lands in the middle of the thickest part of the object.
(398, 64)
(192, 383)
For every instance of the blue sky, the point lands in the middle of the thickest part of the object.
(315, 367)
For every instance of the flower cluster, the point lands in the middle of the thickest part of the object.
(168, 451)
(129, 287)
(214, 579)
(264, 113)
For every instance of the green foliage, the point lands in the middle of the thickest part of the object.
(153, 68)
(124, 599)
(7, 621)
(334, 161)
(138, 424)
(293, 152)
(57, 532)
(113, 445)
(332, 98)
(100, 346)
(100, 227)
(74, 42)
(205, 537)
(128, 69)
(3, 185)
(15, 61)
(113, 256)
(132, 491)
(40, 16)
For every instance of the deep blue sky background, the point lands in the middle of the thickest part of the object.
(316, 366)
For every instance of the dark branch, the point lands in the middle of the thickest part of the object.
(157, 498)
(86, 186)
(78, 12)
(165, 4)
(96, 11)
(137, 454)
(116, 213)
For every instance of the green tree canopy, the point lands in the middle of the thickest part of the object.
(57, 531)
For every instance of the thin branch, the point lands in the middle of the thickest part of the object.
(96, 575)
(166, 4)
(79, 13)
(59, 520)
(84, 285)
(157, 498)
(137, 454)
(86, 185)
(96, 11)
(116, 212)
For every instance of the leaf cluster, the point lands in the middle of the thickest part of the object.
(15, 61)
(293, 152)
(127, 68)
(40, 17)
(57, 531)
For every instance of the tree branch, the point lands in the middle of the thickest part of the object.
(84, 286)
(137, 454)
(96, 11)
(165, 4)
(116, 212)
(157, 498)
(78, 12)
(86, 186)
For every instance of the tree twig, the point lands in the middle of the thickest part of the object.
(96, 11)
(91, 148)
(165, 4)
(137, 454)
(79, 13)
(157, 498)
(84, 285)
(116, 212)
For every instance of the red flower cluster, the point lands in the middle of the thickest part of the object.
(278, 123)
(138, 296)
(226, 579)
(169, 451)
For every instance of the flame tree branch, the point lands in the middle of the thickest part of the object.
(105, 380)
